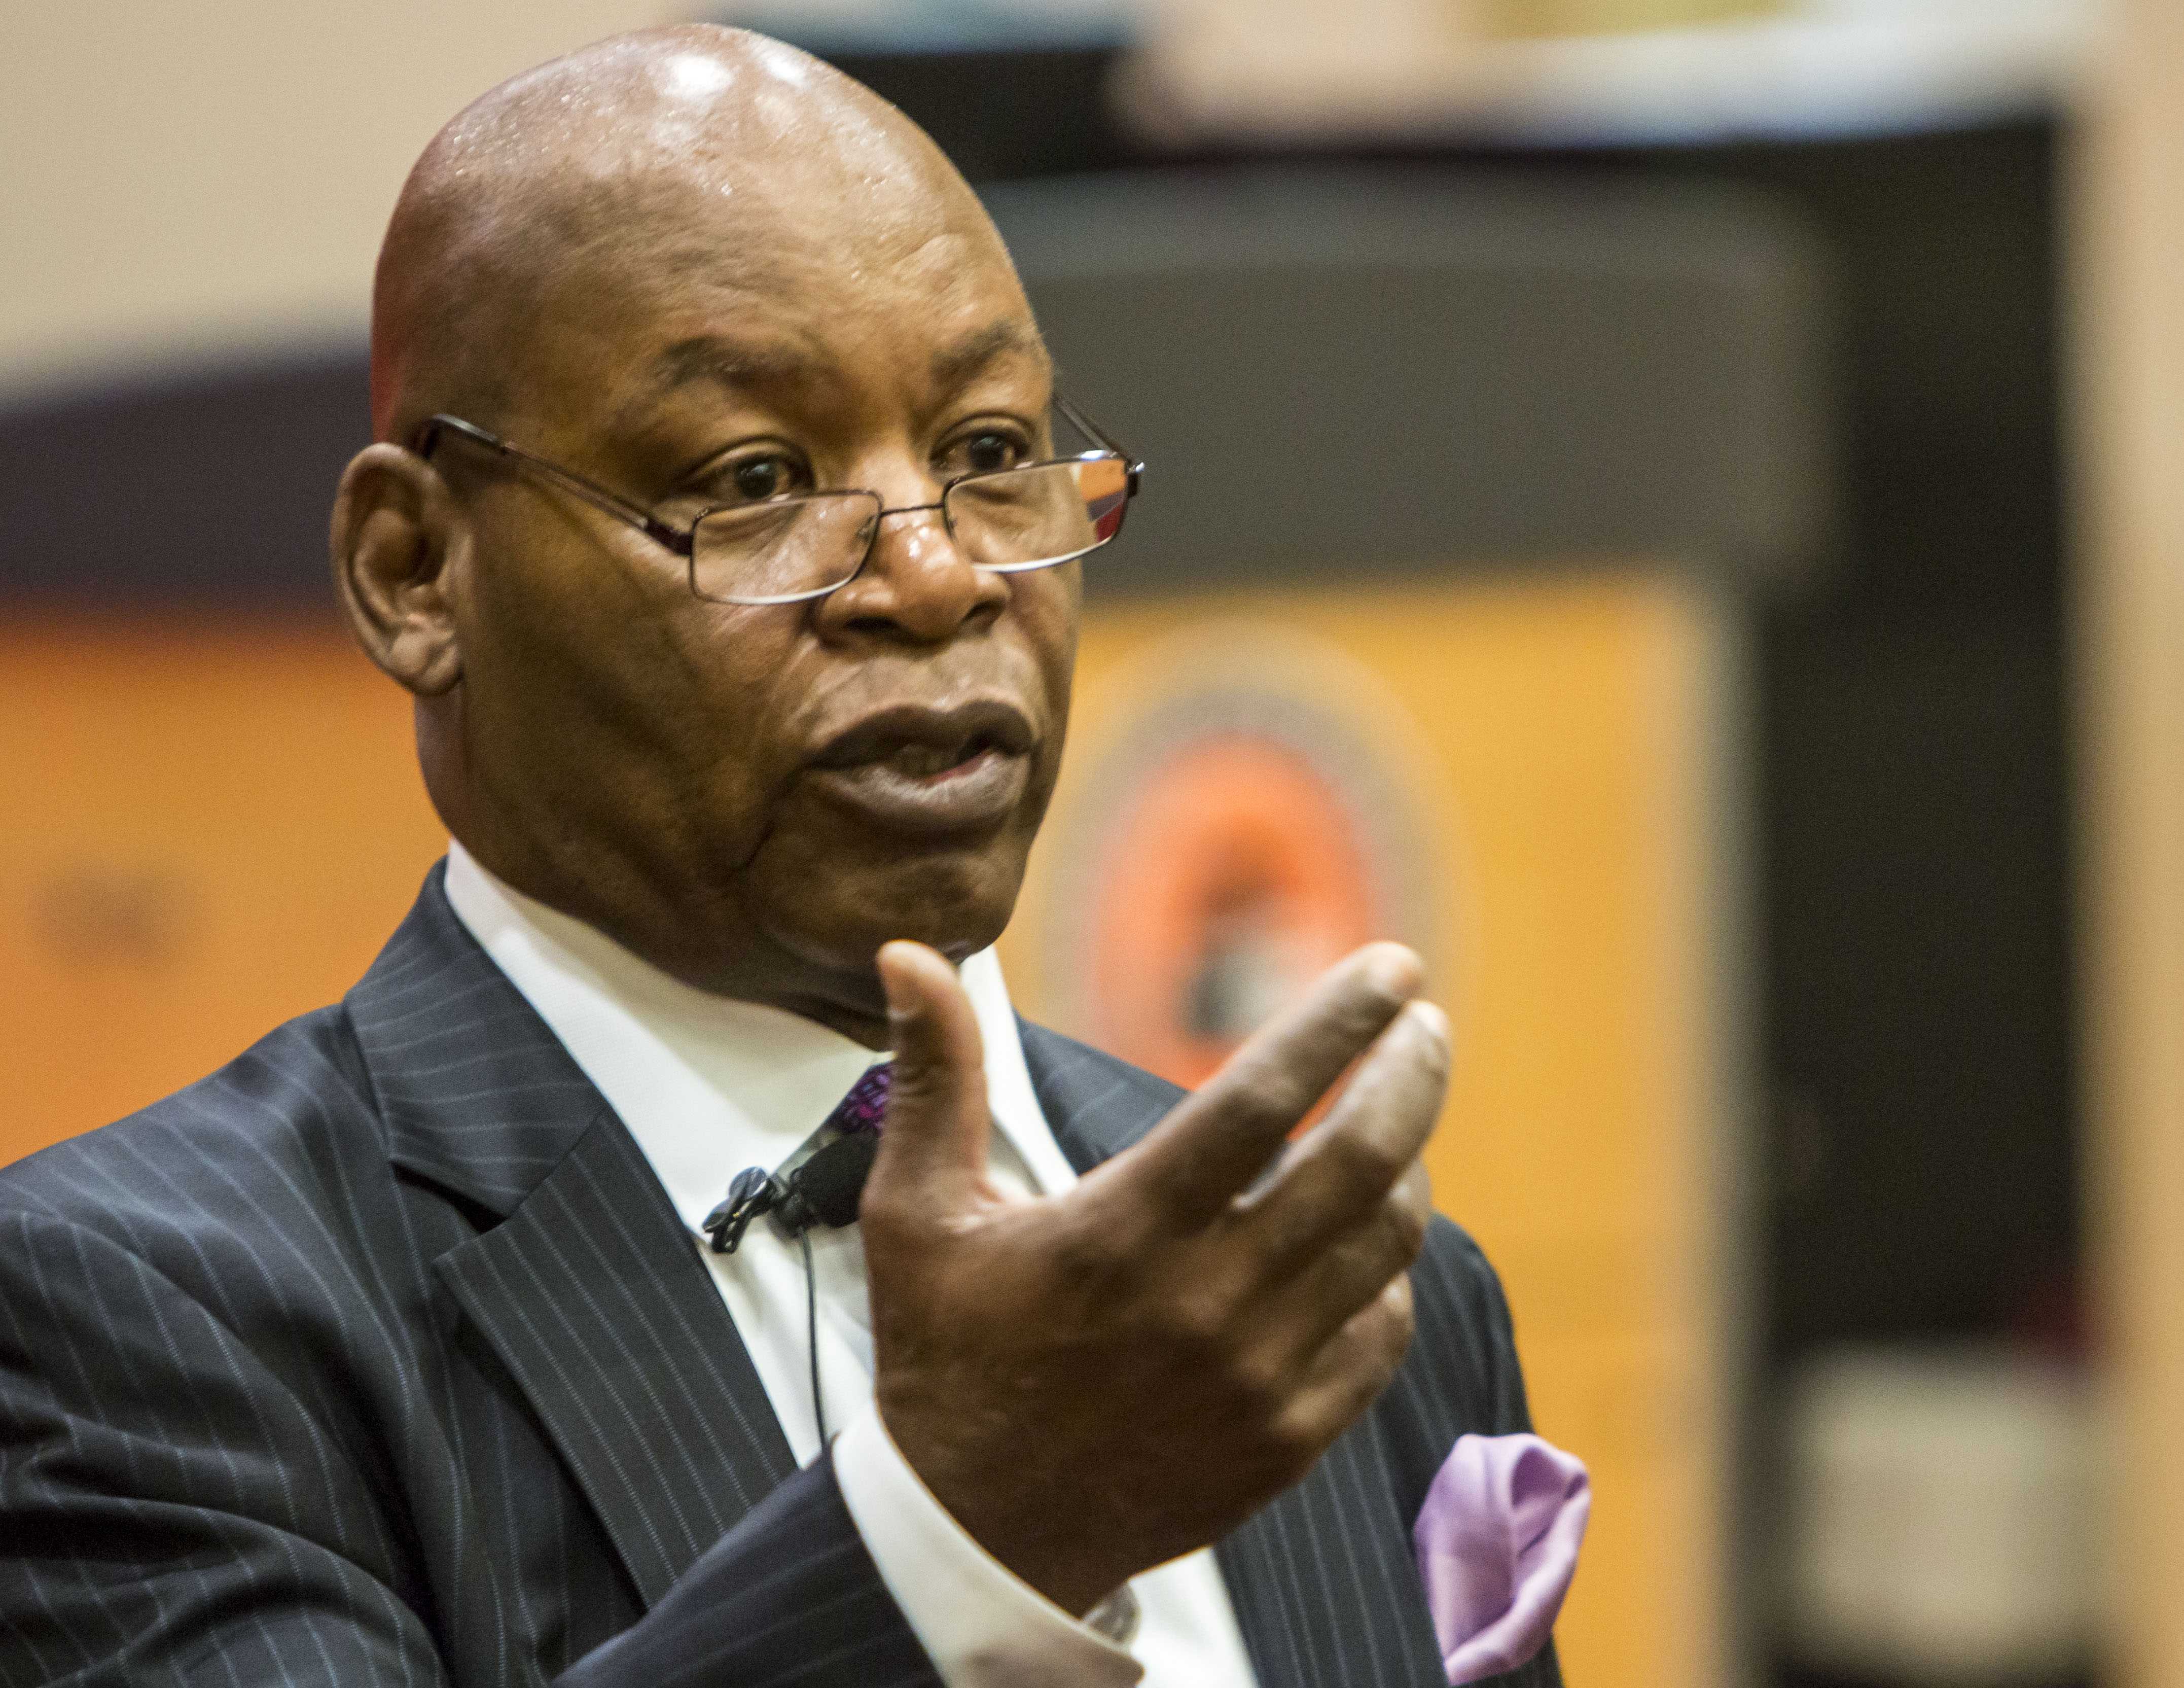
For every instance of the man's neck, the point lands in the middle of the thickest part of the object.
(853, 1007)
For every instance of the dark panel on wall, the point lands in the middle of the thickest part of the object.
(1925, 1177)
(198, 487)
(1003, 112)
(1915, 772)
(1413, 369)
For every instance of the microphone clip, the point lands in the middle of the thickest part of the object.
(824, 1190)
(752, 1192)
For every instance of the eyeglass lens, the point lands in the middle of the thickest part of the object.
(1008, 520)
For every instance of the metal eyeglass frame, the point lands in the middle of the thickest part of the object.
(682, 541)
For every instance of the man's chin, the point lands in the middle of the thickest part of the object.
(954, 901)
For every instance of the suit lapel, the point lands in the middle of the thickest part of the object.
(595, 1300)
(1096, 1106)
(1322, 1581)
(588, 1289)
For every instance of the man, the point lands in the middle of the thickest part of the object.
(703, 524)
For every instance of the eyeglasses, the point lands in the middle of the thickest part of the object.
(792, 549)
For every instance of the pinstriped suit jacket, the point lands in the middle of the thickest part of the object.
(379, 1356)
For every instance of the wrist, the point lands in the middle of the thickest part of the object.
(1048, 1547)
(981, 1624)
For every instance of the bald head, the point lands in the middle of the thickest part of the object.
(578, 191)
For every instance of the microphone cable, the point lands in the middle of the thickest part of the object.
(825, 1190)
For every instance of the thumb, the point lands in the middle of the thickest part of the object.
(934, 1143)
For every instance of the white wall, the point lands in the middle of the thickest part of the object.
(182, 180)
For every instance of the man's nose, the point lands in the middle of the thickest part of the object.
(917, 583)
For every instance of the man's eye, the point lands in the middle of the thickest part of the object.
(755, 479)
(752, 480)
(982, 453)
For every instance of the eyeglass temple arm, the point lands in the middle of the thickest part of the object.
(675, 539)
(1094, 431)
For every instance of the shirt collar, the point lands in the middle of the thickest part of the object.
(709, 1085)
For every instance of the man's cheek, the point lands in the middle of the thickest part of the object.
(731, 820)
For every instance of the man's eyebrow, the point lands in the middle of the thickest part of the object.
(742, 363)
(730, 363)
(954, 366)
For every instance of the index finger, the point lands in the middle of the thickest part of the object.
(1220, 1137)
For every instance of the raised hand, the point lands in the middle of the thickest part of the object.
(1095, 1382)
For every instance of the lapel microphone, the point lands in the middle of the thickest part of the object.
(825, 1190)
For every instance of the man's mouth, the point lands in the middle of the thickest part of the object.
(920, 770)
(931, 761)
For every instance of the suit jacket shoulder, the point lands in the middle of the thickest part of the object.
(278, 1142)
(251, 1214)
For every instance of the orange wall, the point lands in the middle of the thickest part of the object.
(2127, 361)
(209, 829)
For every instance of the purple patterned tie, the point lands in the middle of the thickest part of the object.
(865, 1108)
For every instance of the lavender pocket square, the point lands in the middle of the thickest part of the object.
(1497, 1542)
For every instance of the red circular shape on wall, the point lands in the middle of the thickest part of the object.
(1233, 875)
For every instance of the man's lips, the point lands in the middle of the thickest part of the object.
(983, 724)
(917, 769)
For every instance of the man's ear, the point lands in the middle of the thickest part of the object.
(398, 541)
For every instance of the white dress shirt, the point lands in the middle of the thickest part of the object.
(709, 1086)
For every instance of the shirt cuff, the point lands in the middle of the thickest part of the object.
(982, 1625)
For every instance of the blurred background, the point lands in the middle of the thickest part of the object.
(1674, 507)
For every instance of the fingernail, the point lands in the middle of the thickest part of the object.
(1430, 1018)
(1395, 970)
